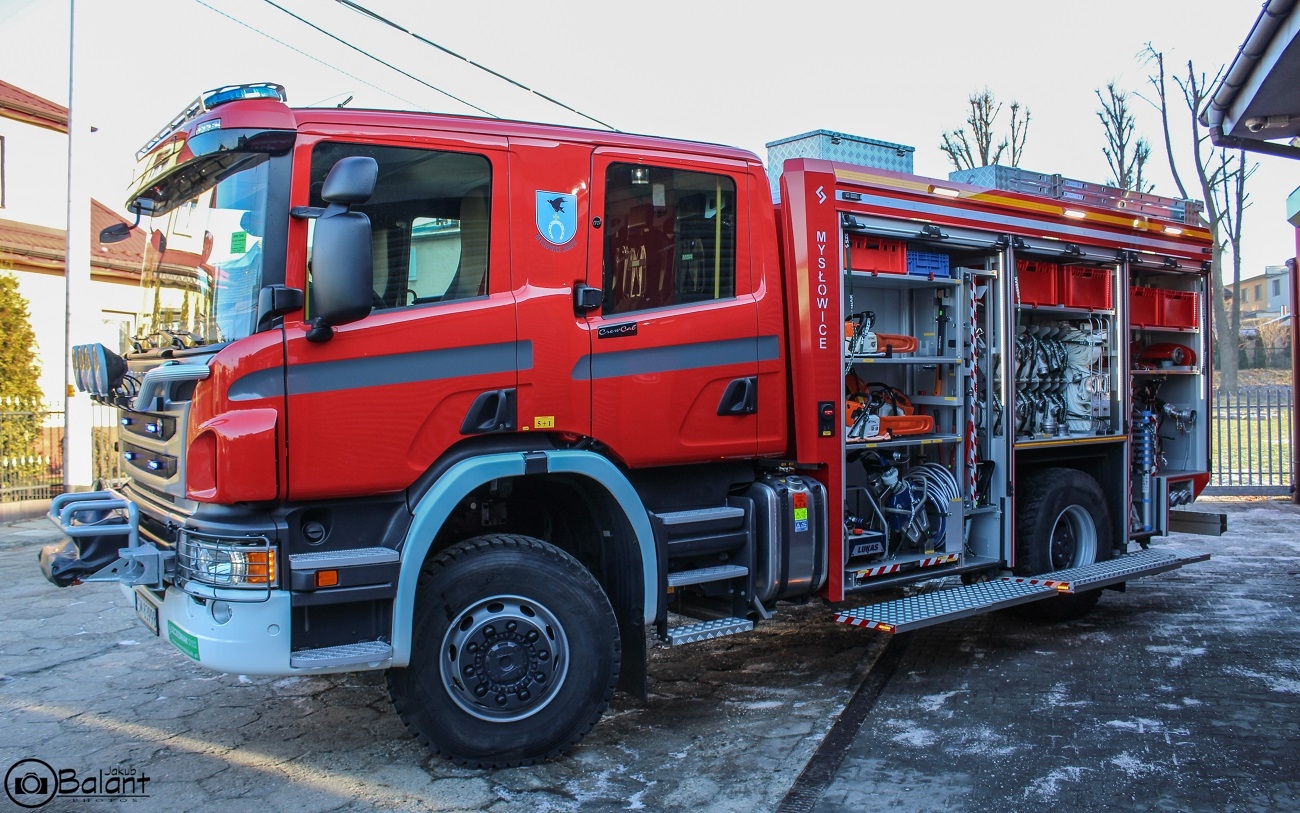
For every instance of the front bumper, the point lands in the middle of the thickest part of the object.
(244, 638)
(248, 639)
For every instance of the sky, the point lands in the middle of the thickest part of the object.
(735, 73)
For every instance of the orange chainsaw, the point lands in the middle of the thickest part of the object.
(860, 338)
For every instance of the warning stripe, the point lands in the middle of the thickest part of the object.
(938, 560)
(862, 622)
(877, 571)
(972, 431)
(1052, 583)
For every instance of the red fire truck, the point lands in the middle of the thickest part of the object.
(478, 402)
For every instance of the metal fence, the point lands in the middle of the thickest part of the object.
(31, 449)
(1251, 441)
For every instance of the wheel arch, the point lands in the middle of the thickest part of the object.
(1106, 464)
(608, 486)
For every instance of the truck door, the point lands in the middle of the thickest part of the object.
(436, 360)
(674, 341)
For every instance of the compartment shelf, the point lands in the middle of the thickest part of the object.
(907, 440)
(1168, 371)
(903, 281)
(900, 359)
(1157, 329)
(1058, 310)
(1042, 443)
(952, 401)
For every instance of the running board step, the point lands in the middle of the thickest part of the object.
(1113, 571)
(702, 516)
(927, 609)
(370, 653)
(707, 630)
(353, 557)
(706, 574)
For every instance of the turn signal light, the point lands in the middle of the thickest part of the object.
(261, 567)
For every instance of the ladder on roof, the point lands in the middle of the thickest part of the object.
(927, 609)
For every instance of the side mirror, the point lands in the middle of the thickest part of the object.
(118, 232)
(342, 275)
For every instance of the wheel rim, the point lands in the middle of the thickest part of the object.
(504, 658)
(1074, 539)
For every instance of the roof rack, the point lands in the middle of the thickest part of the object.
(211, 99)
(1014, 179)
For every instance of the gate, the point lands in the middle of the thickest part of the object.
(1251, 442)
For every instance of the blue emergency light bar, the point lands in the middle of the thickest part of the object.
(211, 99)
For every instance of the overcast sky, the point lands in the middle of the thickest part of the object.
(735, 73)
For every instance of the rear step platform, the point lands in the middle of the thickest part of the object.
(707, 630)
(926, 609)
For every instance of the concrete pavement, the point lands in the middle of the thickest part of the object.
(1181, 694)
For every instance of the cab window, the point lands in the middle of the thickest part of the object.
(429, 221)
(670, 237)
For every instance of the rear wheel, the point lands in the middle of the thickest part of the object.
(1061, 522)
(514, 655)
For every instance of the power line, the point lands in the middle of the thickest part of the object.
(369, 55)
(391, 24)
(304, 53)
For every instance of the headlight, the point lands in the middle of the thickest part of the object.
(214, 567)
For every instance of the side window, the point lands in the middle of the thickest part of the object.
(670, 237)
(429, 220)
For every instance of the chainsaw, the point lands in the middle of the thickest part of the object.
(861, 339)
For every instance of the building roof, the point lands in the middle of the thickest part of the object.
(1258, 100)
(19, 105)
(24, 244)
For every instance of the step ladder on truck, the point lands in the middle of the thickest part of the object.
(545, 388)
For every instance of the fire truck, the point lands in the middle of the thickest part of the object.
(490, 404)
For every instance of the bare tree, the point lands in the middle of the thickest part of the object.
(1117, 120)
(1222, 176)
(978, 149)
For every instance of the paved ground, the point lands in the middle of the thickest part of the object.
(1172, 696)
(1181, 694)
(84, 685)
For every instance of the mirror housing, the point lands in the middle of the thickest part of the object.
(118, 232)
(341, 269)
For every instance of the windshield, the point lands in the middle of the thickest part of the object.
(203, 261)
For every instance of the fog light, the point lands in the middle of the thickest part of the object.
(221, 611)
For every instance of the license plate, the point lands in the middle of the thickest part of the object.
(147, 610)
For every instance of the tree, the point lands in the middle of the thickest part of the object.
(977, 149)
(1119, 124)
(1222, 176)
(20, 391)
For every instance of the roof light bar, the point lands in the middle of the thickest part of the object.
(210, 99)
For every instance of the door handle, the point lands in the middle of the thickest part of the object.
(740, 397)
(492, 411)
(586, 298)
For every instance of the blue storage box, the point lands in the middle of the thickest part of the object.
(924, 264)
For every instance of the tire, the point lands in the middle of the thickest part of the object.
(1061, 522)
(554, 646)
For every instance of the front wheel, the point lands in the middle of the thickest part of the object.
(514, 656)
(1061, 522)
